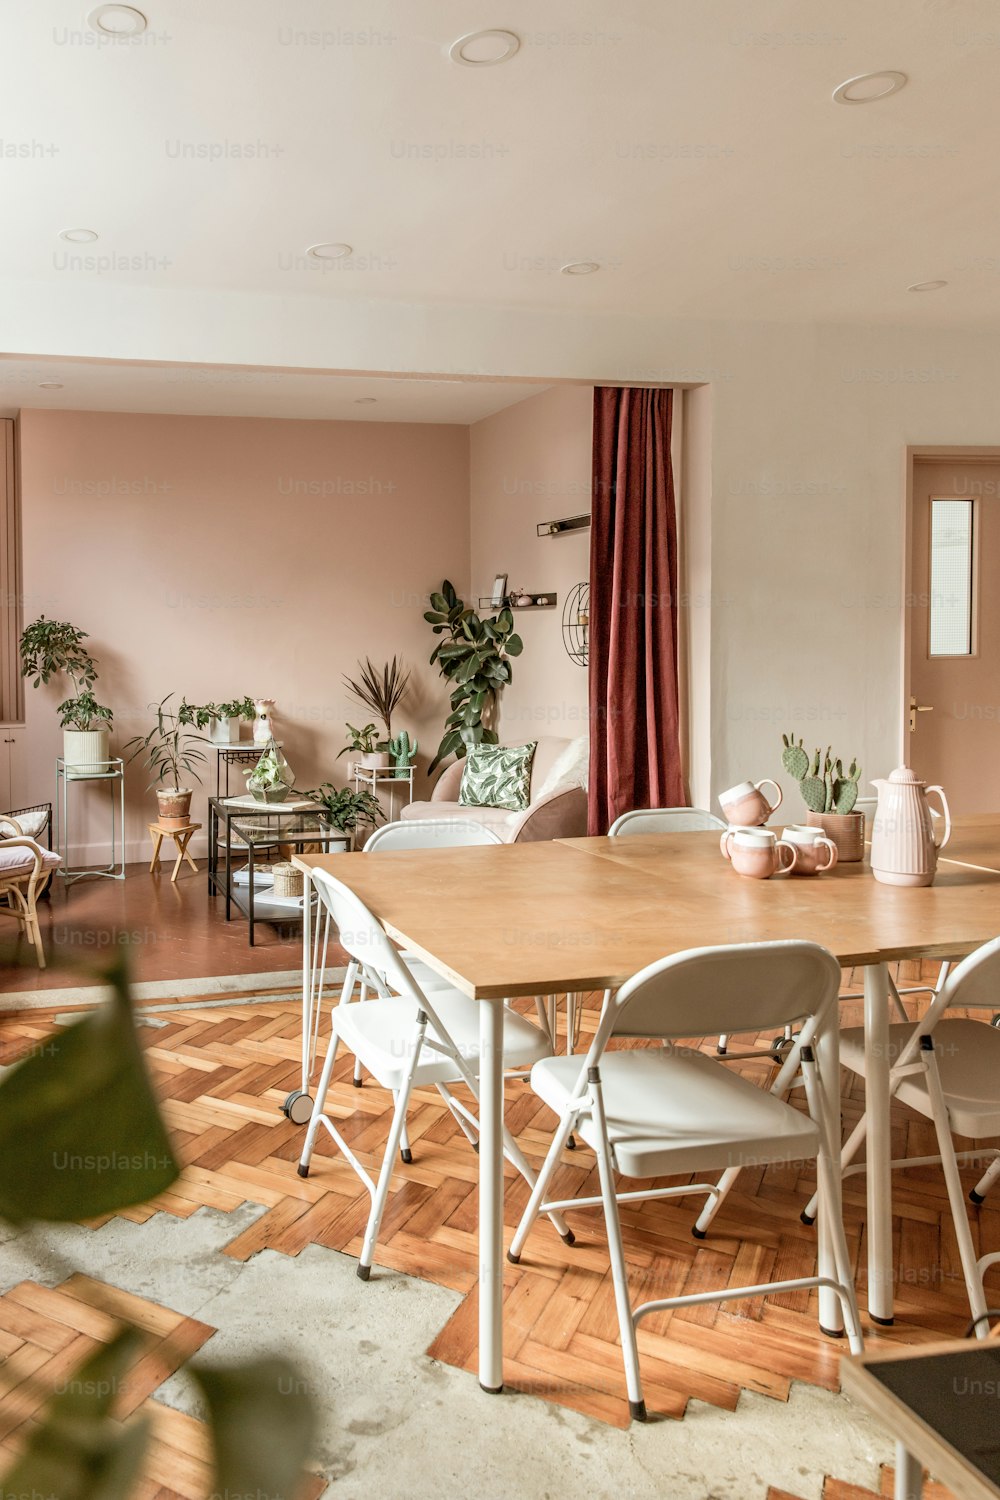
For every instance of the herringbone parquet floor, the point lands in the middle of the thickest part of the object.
(223, 1073)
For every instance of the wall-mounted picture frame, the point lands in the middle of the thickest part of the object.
(499, 590)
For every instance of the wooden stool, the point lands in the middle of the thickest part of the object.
(181, 837)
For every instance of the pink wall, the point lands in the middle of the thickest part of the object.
(532, 463)
(217, 556)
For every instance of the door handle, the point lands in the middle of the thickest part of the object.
(918, 708)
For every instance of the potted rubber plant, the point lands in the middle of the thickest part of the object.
(380, 690)
(829, 793)
(474, 656)
(173, 757)
(54, 648)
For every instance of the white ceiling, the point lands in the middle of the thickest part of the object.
(205, 390)
(691, 148)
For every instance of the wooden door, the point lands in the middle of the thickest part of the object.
(953, 710)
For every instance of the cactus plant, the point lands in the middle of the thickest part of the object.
(404, 752)
(825, 786)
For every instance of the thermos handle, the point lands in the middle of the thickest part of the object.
(940, 843)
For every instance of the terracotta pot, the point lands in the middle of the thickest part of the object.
(174, 807)
(846, 830)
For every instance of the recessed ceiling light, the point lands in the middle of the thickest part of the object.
(926, 286)
(868, 87)
(50, 385)
(117, 20)
(483, 49)
(580, 268)
(78, 236)
(330, 250)
(365, 400)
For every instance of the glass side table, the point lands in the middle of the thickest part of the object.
(110, 773)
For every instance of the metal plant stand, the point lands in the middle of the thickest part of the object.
(67, 776)
(388, 778)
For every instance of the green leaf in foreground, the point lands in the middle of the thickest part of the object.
(80, 1132)
(263, 1425)
(79, 1452)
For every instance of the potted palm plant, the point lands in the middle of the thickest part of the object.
(54, 648)
(173, 757)
(379, 689)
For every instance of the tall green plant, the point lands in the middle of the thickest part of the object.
(379, 689)
(80, 1136)
(475, 657)
(170, 747)
(54, 648)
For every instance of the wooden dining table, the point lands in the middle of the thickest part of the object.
(545, 918)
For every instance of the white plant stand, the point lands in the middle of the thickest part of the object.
(112, 774)
(373, 777)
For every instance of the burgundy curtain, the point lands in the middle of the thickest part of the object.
(634, 739)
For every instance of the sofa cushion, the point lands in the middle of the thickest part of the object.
(497, 776)
(570, 768)
(32, 823)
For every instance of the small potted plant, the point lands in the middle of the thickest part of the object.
(223, 720)
(54, 648)
(173, 757)
(829, 795)
(271, 778)
(379, 689)
(362, 741)
(344, 809)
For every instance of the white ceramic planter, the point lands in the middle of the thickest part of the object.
(224, 731)
(85, 752)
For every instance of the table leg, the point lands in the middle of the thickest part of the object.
(878, 1145)
(179, 842)
(306, 979)
(491, 1195)
(154, 862)
(909, 1483)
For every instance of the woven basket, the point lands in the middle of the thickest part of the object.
(288, 881)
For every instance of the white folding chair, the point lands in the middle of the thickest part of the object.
(664, 820)
(651, 1113)
(949, 1071)
(409, 1039)
(687, 820)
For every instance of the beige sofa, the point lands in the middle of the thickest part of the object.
(560, 815)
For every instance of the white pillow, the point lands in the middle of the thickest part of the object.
(570, 769)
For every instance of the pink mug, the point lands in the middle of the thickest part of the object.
(745, 803)
(814, 852)
(758, 852)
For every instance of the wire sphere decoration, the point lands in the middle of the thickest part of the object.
(576, 623)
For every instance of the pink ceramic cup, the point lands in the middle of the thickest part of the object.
(745, 803)
(814, 852)
(757, 852)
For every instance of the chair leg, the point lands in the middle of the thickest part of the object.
(317, 1113)
(722, 1046)
(953, 1182)
(982, 1187)
(389, 1159)
(538, 1191)
(619, 1273)
(831, 1217)
(848, 1152)
(715, 1202)
(404, 1139)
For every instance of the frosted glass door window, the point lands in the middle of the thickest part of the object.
(952, 572)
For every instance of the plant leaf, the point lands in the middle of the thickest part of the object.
(263, 1425)
(78, 1452)
(80, 1132)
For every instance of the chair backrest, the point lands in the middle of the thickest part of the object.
(737, 987)
(975, 983)
(431, 833)
(664, 820)
(362, 935)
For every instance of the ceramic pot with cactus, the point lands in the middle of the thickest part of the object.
(829, 793)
